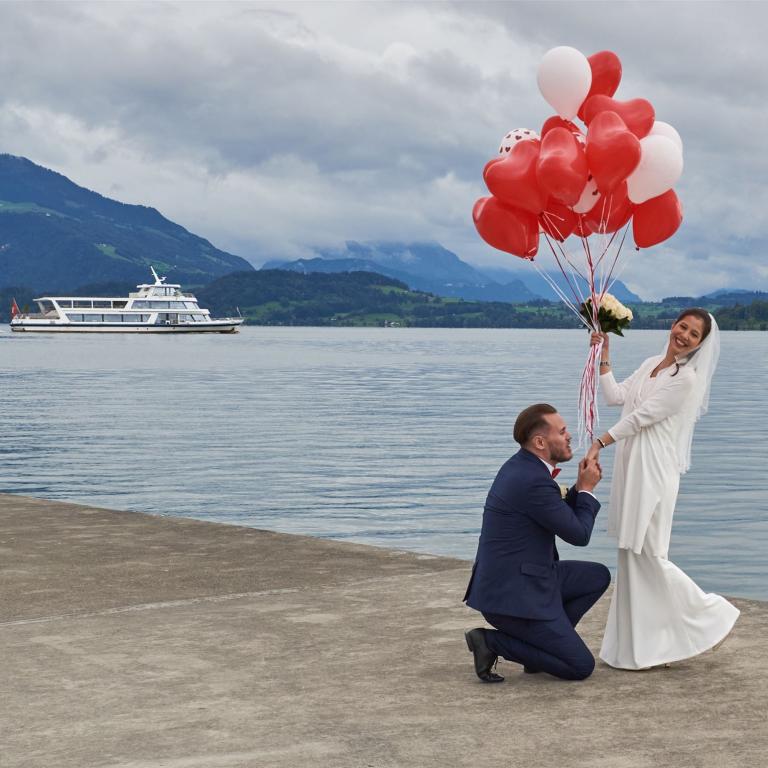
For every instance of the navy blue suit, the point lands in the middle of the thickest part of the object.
(519, 583)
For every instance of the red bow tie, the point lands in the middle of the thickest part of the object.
(555, 472)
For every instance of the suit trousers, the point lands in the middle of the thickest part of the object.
(552, 645)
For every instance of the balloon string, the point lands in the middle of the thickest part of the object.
(556, 288)
(574, 288)
(547, 216)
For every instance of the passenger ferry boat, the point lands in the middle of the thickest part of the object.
(157, 307)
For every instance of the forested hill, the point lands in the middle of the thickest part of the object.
(281, 297)
(56, 236)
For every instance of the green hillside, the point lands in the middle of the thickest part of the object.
(56, 236)
(279, 297)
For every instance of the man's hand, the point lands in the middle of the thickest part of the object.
(589, 476)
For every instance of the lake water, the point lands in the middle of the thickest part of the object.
(382, 436)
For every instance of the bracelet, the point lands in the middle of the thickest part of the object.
(602, 444)
(605, 362)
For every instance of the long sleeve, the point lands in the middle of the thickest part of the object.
(666, 401)
(615, 393)
(571, 523)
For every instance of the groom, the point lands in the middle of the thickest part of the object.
(519, 584)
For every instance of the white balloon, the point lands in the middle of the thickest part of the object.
(515, 137)
(588, 198)
(661, 128)
(660, 166)
(564, 78)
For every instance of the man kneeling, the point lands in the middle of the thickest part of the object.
(532, 598)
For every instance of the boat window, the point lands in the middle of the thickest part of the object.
(113, 318)
(102, 304)
(191, 305)
(45, 306)
(141, 304)
(119, 304)
(65, 303)
(82, 303)
(75, 318)
(199, 318)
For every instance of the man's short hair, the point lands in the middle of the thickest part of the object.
(531, 420)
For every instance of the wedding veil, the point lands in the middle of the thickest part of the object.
(703, 361)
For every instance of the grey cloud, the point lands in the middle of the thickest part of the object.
(260, 92)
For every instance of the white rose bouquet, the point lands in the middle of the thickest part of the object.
(612, 315)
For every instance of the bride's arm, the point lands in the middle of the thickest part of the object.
(613, 392)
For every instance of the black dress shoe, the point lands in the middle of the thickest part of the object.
(485, 658)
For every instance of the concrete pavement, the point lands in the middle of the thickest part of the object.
(148, 642)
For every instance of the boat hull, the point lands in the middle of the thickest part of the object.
(27, 327)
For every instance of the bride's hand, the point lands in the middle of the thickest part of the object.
(596, 338)
(593, 454)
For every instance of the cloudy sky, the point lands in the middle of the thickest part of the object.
(273, 128)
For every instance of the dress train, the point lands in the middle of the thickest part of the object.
(659, 615)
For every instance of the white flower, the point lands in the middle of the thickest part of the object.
(613, 306)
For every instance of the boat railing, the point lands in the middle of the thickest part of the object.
(37, 315)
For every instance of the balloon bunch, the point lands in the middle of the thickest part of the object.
(590, 184)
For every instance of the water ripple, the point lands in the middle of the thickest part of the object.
(382, 436)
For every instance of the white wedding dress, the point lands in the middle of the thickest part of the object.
(657, 613)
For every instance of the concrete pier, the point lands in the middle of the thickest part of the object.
(148, 642)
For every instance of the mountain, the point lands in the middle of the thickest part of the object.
(56, 236)
(431, 267)
(729, 297)
(423, 266)
(539, 285)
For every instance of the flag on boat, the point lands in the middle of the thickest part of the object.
(14, 309)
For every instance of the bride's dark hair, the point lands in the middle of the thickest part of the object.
(706, 321)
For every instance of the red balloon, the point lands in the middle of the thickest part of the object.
(512, 178)
(505, 228)
(638, 114)
(558, 220)
(657, 219)
(562, 169)
(613, 151)
(557, 122)
(606, 75)
(610, 212)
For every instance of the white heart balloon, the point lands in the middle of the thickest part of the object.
(564, 78)
(660, 166)
(661, 128)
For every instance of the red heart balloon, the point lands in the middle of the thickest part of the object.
(613, 152)
(562, 169)
(657, 219)
(637, 114)
(505, 228)
(512, 178)
(557, 122)
(558, 220)
(606, 75)
(611, 212)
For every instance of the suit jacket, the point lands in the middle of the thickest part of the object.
(515, 568)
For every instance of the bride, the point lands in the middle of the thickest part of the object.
(657, 614)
